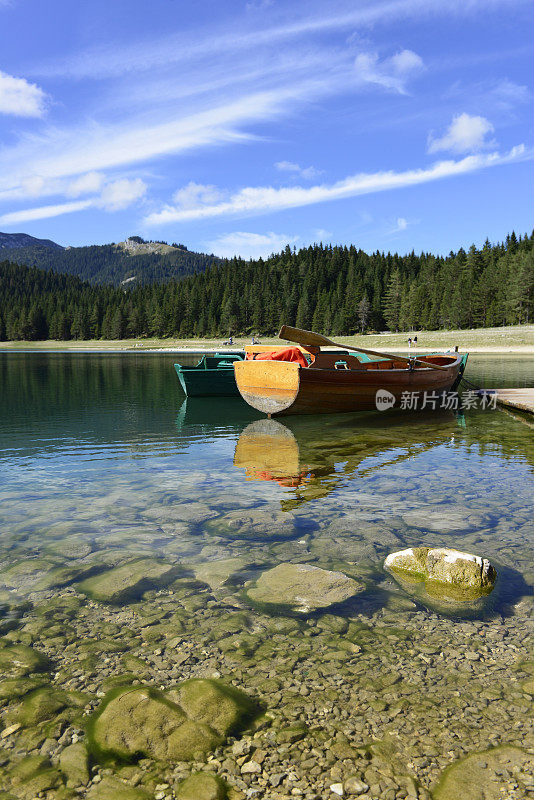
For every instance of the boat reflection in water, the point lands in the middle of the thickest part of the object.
(314, 459)
(268, 451)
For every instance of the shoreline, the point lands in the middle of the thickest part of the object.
(523, 350)
(516, 340)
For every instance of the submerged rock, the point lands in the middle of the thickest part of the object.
(129, 581)
(303, 587)
(74, 764)
(445, 518)
(32, 776)
(182, 724)
(202, 786)
(217, 573)
(490, 775)
(110, 788)
(443, 565)
(18, 660)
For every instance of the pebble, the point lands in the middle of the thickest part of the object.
(9, 730)
(250, 767)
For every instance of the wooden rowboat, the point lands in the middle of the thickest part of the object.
(334, 384)
(213, 376)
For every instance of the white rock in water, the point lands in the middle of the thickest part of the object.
(444, 565)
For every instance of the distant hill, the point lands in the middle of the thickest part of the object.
(14, 241)
(130, 263)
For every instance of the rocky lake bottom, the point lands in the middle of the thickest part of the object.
(142, 653)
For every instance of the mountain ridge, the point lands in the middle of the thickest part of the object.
(16, 241)
(129, 263)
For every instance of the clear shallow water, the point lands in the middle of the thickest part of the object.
(102, 459)
(106, 450)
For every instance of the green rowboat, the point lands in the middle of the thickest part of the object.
(213, 376)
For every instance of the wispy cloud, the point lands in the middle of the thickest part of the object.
(44, 212)
(296, 170)
(322, 235)
(501, 95)
(146, 55)
(400, 225)
(60, 154)
(115, 196)
(391, 73)
(267, 199)
(465, 134)
(249, 245)
(21, 98)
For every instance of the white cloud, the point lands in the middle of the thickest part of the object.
(20, 98)
(400, 225)
(465, 134)
(250, 245)
(303, 172)
(267, 199)
(44, 212)
(86, 184)
(120, 194)
(321, 235)
(392, 73)
(195, 195)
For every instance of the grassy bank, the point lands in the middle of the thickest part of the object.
(516, 339)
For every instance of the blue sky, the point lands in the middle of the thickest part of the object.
(238, 127)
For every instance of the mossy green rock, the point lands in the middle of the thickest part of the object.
(113, 789)
(446, 572)
(18, 687)
(129, 581)
(46, 703)
(214, 703)
(32, 775)
(412, 560)
(74, 764)
(484, 776)
(184, 723)
(202, 786)
(19, 660)
(303, 587)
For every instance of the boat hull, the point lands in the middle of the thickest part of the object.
(281, 388)
(213, 376)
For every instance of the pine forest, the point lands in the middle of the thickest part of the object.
(333, 290)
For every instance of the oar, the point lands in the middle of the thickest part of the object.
(317, 340)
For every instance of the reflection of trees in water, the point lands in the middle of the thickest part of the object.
(106, 398)
(314, 455)
(498, 433)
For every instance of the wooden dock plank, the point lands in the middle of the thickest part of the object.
(522, 399)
